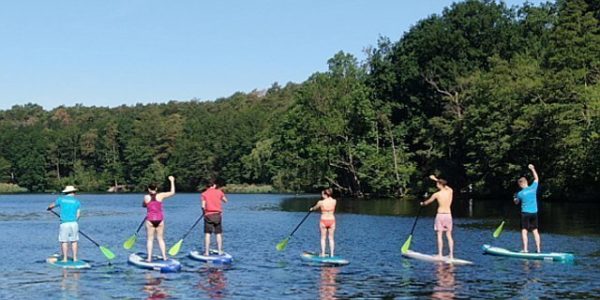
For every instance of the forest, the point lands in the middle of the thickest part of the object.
(472, 95)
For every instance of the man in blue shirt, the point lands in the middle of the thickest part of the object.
(69, 215)
(528, 199)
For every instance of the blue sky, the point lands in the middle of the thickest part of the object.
(113, 52)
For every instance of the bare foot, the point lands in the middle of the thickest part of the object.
(322, 255)
(149, 260)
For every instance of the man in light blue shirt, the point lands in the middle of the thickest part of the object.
(528, 199)
(69, 215)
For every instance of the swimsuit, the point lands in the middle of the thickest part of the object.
(327, 223)
(154, 211)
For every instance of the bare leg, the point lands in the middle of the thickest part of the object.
(206, 243)
(149, 240)
(75, 248)
(450, 243)
(440, 243)
(331, 241)
(323, 237)
(65, 248)
(524, 238)
(160, 232)
(538, 241)
(220, 243)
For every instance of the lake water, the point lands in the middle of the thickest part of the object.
(369, 234)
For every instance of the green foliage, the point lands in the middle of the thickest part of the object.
(473, 94)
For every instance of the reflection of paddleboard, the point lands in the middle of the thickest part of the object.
(561, 257)
(313, 258)
(157, 264)
(213, 257)
(56, 260)
(435, 258)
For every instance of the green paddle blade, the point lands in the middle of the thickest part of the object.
(128, 244)
(107, 252)
(281, 245)
(498, 230)
(406, 244)
(175, 249)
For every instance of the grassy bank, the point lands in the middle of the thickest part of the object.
(248, 188)
(6, 188)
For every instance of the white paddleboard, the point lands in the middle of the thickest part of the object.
(435, 258)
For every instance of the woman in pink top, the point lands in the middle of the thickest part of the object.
(155, 223)
(327, 223)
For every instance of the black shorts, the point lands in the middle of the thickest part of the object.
(155, 224)
(212, 223)
(529, 221)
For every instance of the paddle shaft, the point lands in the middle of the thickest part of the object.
(416, 219)
(304, 219)
(140, 227)
(85, 235)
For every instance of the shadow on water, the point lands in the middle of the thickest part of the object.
(560, 218)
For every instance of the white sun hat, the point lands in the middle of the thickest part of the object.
(69, 189)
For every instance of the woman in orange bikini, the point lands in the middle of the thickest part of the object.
(327, 224)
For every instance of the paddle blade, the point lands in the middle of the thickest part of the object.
(406, 244)
(109, 255)
(498, 230)
(281, 245)
(175, 248)
(128, 244)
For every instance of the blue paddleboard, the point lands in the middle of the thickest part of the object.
(158, 264)
(56, 261)
(552, 256)
(212, 258)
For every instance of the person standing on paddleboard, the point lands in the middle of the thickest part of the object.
(155, 222)
(212, 199)
(327, 223)
(443, 218)
(70, 210)
(529, 219)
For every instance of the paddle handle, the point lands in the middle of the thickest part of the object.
(298, 226)
(85, 235)
(191, 228)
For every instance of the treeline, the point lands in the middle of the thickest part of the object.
(473, 94)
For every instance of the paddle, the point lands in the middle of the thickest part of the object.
(281, 245)
(175, 248)
(107, 253)
(500, 227)
(128, 244)
(406, 244)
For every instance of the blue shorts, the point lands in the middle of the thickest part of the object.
(68, 232)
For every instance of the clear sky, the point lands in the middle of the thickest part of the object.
(113, 52)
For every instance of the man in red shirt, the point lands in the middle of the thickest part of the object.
(211, 204)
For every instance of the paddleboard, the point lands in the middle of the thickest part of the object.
(552, 256)
(212, 258)
(313, 258)
(157, 264)
(56, 261)
(435, 258)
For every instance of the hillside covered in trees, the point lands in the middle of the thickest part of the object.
(473, 94)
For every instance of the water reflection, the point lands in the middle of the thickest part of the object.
(69, 284)
(214, 282)
(153, 287)
(328, 283)
(446, 282)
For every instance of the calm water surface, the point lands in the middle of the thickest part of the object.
(369, 235)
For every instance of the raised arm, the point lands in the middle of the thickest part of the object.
(535, 174)
(171, 192)
(432, 177)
